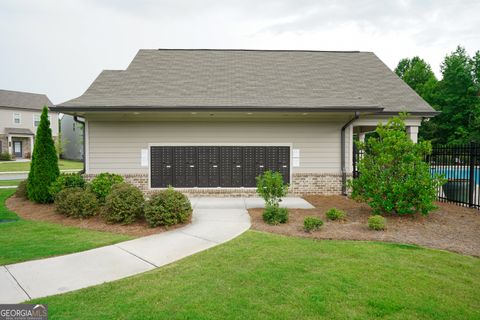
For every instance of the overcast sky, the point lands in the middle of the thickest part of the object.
(58, 47)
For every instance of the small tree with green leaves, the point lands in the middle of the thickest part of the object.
(271, 188)
(44, 166)
(394, 177)
(60, 144)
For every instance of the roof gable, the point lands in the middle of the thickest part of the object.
(23, 100)
(228, 79)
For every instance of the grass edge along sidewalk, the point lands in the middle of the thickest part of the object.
(23, 240)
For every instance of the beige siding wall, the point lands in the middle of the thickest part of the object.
(116, 146)
(6, 120)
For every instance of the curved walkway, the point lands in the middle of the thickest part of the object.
(214, 221)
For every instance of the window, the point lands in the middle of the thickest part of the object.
(36, 120)
(17, 118)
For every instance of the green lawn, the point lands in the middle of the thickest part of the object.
(25, 166)
(6, 214)
(26, 240)
(266, 276)
(10, 182)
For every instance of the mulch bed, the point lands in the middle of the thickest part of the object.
(450, 227)
(46, 212)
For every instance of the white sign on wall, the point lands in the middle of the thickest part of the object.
(296, 157)
(144, 158)
(296, 162)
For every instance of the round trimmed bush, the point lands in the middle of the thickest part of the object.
(61, 204)
(167, 208)
(76, 202)
(312, 224)
(377, 222)
(65, 180)
(21, 191)
(102, 184)
(124, 204)
(275, 215)
(335, 214)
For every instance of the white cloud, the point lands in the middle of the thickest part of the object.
(59, 47)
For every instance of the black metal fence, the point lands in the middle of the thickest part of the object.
(459, 164)
(357, 155)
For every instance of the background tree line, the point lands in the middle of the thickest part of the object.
(456, 96)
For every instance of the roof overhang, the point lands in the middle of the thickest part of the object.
(413, 113)
(19, 131)
(74, 110)
(24, 108)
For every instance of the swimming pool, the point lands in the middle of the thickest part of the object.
(457, 173)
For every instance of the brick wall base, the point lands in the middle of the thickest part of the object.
(302, 184)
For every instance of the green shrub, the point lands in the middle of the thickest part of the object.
(335, 214)
(66, 180)
(167, 208)
(394, 178)
(271, 188)
(377, 222)
(102, 184)
(5, 156)
(76, 202)
(62, 206)
(312, 224)
(21, 191)
(124, 204)
(275, 215)
(44, 166)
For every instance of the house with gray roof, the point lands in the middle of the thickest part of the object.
(19, 118)
(210, 121)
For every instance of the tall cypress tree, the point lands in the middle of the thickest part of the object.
(44, 166)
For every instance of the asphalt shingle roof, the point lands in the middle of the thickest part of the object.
(18, 131)
(23, 100)
(257, 79)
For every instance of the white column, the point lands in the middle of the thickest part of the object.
(349, 152)
(10, 144)
(412, 132)
(86, 140)
(31, 145)
(361, 136)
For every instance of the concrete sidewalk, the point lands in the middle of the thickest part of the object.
(214, 221)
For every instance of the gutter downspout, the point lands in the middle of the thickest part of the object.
(342, 153)
(75, 118)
